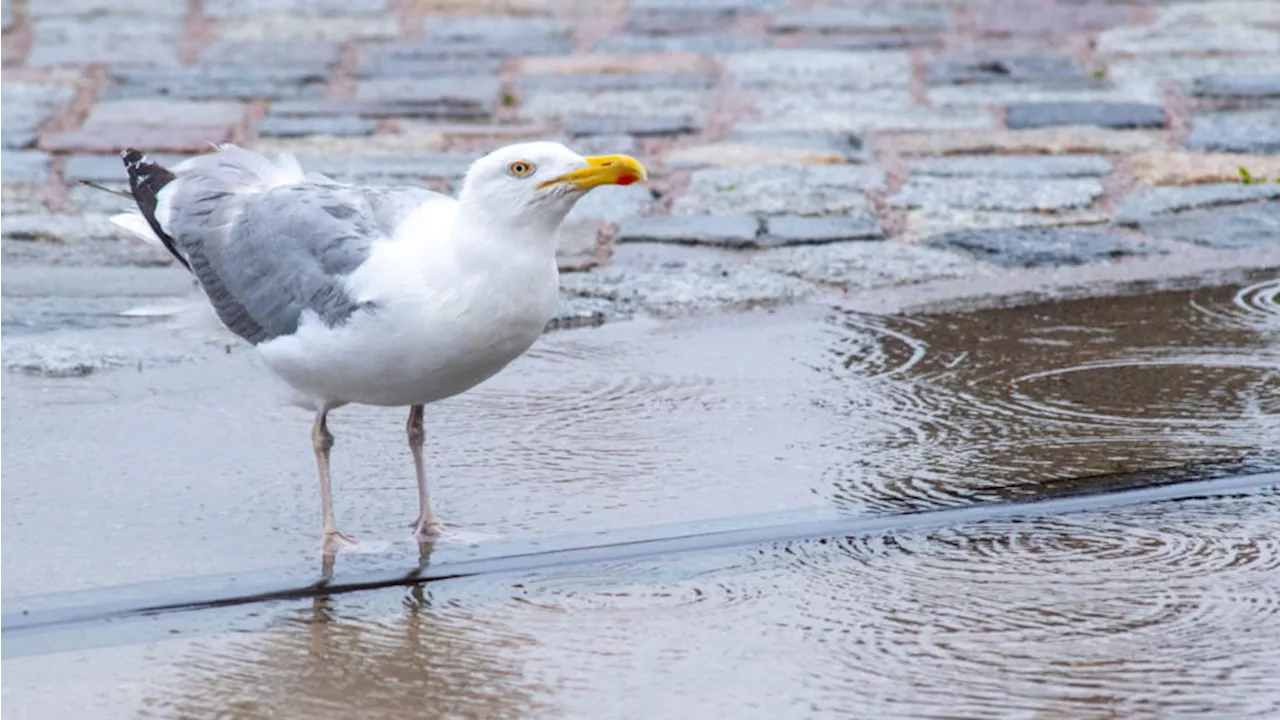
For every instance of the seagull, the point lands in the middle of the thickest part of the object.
(388, 296)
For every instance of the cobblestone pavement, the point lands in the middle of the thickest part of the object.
(796, 147)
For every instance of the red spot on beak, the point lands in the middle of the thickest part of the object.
(627, 179)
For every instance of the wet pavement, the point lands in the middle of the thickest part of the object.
(182, 476)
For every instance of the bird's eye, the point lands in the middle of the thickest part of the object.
(521, 168)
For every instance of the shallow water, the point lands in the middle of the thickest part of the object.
(1161, 610)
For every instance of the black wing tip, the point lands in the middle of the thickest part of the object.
(146, 179)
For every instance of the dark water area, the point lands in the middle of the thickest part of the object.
(1161, 609)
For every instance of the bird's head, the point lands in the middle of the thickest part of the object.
(537, 183)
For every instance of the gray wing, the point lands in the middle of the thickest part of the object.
(265, 258)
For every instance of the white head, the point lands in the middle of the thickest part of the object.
(534, 185)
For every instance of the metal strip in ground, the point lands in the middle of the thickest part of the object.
(26, 625)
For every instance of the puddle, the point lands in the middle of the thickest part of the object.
(1160, 609)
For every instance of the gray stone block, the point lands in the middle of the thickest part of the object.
(97, 8)
(1029, 166)
(679, 21)
(315, 55)
(1022, 116)
(1242, 226)
(869, 41)
(495, 29)
(439, 110)
(25, 166)
(800, 229)
(479, 93)
(324, 8)
(687, 288)
(1245, 86)
(642, 126)
(706, 43)
(107, 168)
(1037, 247)
(613, 203)
(380, 169)
(718, 230)
(819, 69)
(1148, 203)
(1056, 69)
(858, 20)
(996, 193)
(596, 82)
(866, 265)
(27, 106)
(782, 190)
(1256, 132)
(202, 83)
(339, 126)
(605, 145)
(111, 40)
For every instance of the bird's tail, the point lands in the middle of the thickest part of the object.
(146, 181)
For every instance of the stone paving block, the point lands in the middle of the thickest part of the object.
(456, 67)
(615, 81)
(1172, 40)
(858, 20)
(604, 63)
(94, 8)
(1244, 86)
(861, 120)
(863, 41)
(317, 56)
(1023, 116)
(385, 169)
(1050, 141)
(1208, 12)
(6, 14)
(27, 106)
(1194, 168)
(866, 265)
(292, 27)
(159, 113)
(107, 138)
(1038, 247)
(112, 40)
(494, 29)
(1031, 166)
(343, 125)
(480, 93)
(680, 288)
(720, 230)
(251, 8)
(614, 103)
(632, 125)
(576, 312)
(819, 69)
(1147, 203)
(1007, 69)
(583, 244)
(202, 83)
(927, 222)
(679, 21)
(708, 5)
(702, 43)
(1100, 93)
(25, 166)
(441, 110)
(614, 203)
(800, 229)
(605, 145)
(782, 190)
(107, 168)
(1054, 19)
(1256, 132)
(1129, 71)
(996, 193)
(772, 148)
(1236, 227)
(411, 141)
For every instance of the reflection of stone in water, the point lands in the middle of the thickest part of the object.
(338, 661)
(1059, 389)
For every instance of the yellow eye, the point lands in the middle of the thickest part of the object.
(521, 168)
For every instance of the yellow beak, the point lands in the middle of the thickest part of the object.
(604, 170)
